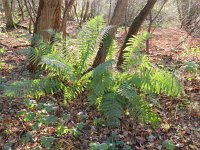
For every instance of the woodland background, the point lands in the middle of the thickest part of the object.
(99, 74)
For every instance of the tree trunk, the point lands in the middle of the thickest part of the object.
(119, 12)
(184, 12)
(151, 20)
(48, 17)
(135, 26)
(189, 15)
(68, 7)
(8, 15)
(86, 11)
(20, 4)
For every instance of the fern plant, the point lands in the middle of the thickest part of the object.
(113, 92)
(57, 59)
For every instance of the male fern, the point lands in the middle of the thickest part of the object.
(113, 92)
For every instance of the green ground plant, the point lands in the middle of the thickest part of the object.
(113, 92)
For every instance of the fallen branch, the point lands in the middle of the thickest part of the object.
(21, 27)
(17, 46)
(3, 45)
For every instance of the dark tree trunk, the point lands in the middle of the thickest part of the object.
(48, 17)
(8, 14)
(119, 12)
(68, 7)
(135, 26)
(86, 11)
(189, 15)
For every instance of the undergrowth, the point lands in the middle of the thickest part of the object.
(113, 92)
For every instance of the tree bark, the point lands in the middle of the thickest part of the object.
(8, 14)
(20, 4)
(135, 26)
(86, 11)
(119, 12)
(189, 14)
(48, 17)
(151, 20)
(68, 7)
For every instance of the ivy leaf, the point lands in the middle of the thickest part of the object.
(66, 117)
(29, 116)
(98, 146)
(51, 119)
(7, 146)
(27, 138)
(61, 129)
(168, 144)
(47, 142)
(36, 126)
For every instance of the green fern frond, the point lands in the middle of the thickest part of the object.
(36, 88)
(36, 53)
(36, 40)
(103, 68)
(111, 109)
(102, 81)
(134, 50)
(112, 49)
(138, 107)
(55, 36)
(57, 64)
(87, 41)
(157, 81)
(105, 32)
(73, 91)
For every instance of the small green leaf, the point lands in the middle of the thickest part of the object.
(168, 144)
(7, 146)
(66, 117)
(61, 129)
(29, 116)
(47, 142)
(36, 126)
(51, 119)
(98, 146)
(27, 138)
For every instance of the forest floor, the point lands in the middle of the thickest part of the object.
(180, 118)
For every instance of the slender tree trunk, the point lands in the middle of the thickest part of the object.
(110, 10)
(32, 18)
(20, 4)
(68, 7)
(151, 21)
(8, 14)
(86, 11)
(120, 10)
(189, 15)
(48, 17)
(135, 26)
